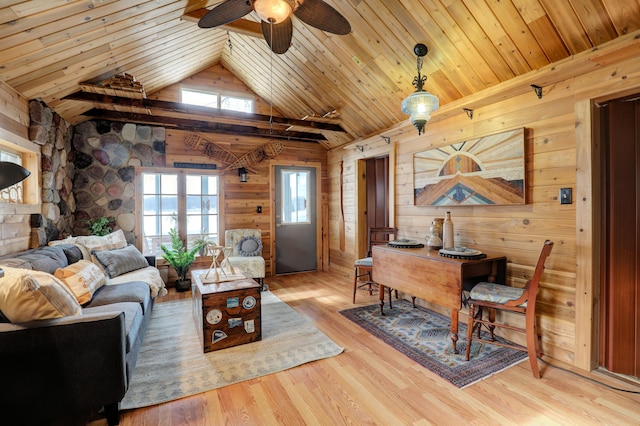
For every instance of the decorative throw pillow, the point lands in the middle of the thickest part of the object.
(34, 295)
(250, 246)
(83, 278)
(114, 240)
(120, 261)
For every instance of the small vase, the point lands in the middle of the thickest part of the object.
(447, 232)
(434, 240)
(436, 227)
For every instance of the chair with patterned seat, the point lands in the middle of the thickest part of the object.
(363, 267)
(498, 297)
(246, 251)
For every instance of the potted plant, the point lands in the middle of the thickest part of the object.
(100, 226)
(180, 259)
(204, 243)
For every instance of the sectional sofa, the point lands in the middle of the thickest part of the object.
(73, 318)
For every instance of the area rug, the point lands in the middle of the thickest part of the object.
(424, 336)
(172, 365)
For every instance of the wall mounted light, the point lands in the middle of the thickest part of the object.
(242, 172)
(11, 173)
(420, 104)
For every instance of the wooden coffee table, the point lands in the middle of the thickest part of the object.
(226, 313)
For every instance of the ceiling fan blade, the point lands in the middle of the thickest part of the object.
(322, 16)
(224, 13)
(282, 34)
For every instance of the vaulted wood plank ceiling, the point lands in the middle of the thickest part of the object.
(47, 48)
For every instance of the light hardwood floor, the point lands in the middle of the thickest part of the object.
(371, 383)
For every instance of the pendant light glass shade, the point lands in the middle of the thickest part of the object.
(274, 11)
(11, 173)
(420, 104)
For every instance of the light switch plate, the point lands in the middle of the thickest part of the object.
(566, 196)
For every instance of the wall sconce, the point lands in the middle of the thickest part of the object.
(538, 90)
(242, 172)
(11, 174)
(420, 104)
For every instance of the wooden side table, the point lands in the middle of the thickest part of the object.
(226, 313)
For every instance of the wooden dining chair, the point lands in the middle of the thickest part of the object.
(497, 297)
(363, 267)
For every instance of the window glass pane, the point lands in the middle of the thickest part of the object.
(169, 204)
(151, 204)
(194, 97)
(194, 184)
(210, 183)
(295, 196)
(194, 204)
(194, 225)
(169, 184)
(150, 184)
(236, 104)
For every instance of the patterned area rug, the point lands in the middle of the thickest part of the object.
(172, 365)
(423, 335)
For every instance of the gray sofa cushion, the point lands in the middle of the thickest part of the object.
(46, 259)
(72, 252)
(132, 315)
(135, 291)
(120, 261)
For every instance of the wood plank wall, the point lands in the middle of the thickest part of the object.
(555, 129)
(240, 200)
(15, 228)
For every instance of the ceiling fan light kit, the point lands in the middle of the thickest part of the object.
(420, 104)
(275, 16)
(274, 11)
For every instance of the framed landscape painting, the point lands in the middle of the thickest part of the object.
(483, 171)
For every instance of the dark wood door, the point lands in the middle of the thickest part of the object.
(620, 295)
(378, 192)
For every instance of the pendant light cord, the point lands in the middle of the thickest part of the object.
(271, 81)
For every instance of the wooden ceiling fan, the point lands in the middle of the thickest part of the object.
(275, 18)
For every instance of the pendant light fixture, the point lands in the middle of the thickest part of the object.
(11, 173)
(420, 104)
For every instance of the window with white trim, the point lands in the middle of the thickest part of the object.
(215, 100)
(185, 201)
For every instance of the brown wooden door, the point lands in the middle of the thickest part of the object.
(620, 315)
(378, 192)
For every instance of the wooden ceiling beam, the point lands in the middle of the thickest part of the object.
(241, 26)
(178, 107)
(204, 126)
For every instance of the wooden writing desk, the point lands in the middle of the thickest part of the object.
(423, 273)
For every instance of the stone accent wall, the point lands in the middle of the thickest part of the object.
(105, 156)
(53, 134)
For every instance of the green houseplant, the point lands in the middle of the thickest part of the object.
(204, 243)
(101, 226)
(180, 259)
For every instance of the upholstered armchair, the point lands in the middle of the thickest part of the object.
(246, 253)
